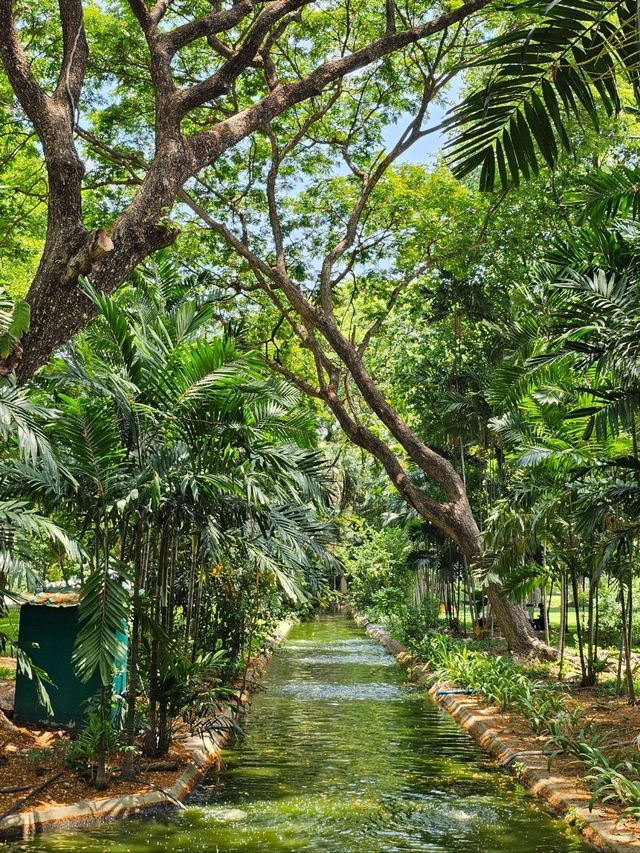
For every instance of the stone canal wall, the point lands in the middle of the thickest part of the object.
(491, 730)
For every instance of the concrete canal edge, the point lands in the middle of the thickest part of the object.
(490, 730)
(202, 751)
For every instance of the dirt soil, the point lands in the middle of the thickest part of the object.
(29, 757)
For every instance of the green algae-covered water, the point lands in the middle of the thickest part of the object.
(339, 754)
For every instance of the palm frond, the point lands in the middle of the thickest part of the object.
(103, 615)
(561, 66)
(609, 193)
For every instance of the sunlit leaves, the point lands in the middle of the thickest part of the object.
(559, 68)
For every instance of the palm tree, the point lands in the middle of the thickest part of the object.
(186, 456)
(561, 64)
(570, 390)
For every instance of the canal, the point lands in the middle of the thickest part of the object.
(340, 754)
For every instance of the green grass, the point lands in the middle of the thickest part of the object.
(554, 620)
(9, 624)
(554, 623)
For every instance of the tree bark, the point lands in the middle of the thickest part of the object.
(58, 307)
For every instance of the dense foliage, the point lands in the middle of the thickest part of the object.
(194, 502)
(282, 348)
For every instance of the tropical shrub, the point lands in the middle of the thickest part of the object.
(374, 565)
(613, 779)
(498, 679)
(411, 623)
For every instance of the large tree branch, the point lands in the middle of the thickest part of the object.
(18, 70)
(159, 10)
(446, 516)
(438, 468)
(216, 22)
(75, 54)
(243, 57)
(53, 120)
(208, 145)
(167, 117)
(139, 9)
(272, 203)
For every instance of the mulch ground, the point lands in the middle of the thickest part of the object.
(29, 757)
(616, 721)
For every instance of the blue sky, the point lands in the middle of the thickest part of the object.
(427, 148)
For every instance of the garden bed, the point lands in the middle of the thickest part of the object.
(65, 802)
(28, 759)
(509, 738)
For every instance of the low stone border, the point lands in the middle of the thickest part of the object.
(489, 730)
(203, 752)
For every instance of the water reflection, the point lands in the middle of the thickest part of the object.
(340, 755)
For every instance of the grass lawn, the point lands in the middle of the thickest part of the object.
(554, 613)
(554, 619)
(554, 622)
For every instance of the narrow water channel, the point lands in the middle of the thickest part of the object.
(339, 754)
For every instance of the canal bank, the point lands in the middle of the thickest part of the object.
(339, 754)
(492, 731)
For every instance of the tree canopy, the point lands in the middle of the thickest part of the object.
(224, 244)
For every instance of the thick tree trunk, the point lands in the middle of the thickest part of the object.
(454, 518)
(512, 619)
(59, 308)
(515, 626)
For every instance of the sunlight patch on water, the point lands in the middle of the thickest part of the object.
(343, 692)
(359, 658)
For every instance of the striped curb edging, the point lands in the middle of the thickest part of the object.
(489, 730)
(203, 752)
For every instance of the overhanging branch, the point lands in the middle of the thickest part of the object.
(208, 145)
(216, 22)
(242, 58)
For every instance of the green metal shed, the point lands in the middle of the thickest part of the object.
(48, 630)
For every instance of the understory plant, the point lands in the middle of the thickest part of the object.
(498, 679)
(611, 780)
(411, 622)
(509, 686)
